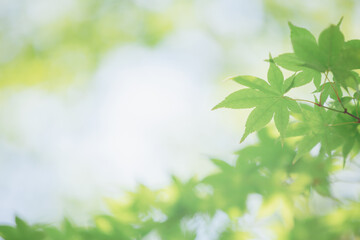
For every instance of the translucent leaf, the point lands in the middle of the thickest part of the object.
(326, 90)
(292, 105)
(244, 98)
(289, 83)
(301, 79)
(317, 79)
(306, 48)
(275, 77)
(221, 164)
(290, 62)
(306, 144)
(351, 55)
(254, 82)
(259, 117)
(348, 145)
(281, 118)
(304, 78)
(331, 41)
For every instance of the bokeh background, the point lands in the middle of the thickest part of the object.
(99, 96)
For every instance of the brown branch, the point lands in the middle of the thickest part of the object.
(331, 109)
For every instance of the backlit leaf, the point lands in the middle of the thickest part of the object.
(259, 117)
(290, 62)
(245, 98)
(281, 118)
(306, 48)
(275, 77)
(331, 42)
(255, 83)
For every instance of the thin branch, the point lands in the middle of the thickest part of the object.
(346, 112)
(338, 98)
(331, 109)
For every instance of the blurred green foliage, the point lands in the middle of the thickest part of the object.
(264, 168)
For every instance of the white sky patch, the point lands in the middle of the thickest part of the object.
(154, 5)
(232, 18)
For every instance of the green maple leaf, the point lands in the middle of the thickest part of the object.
(317, 126)
(245, 98)
(306, 48)
(331, 42)
(348, 60)
(290, 62)
(255, 83)
(281, 118)
(275, 77)
(267, 99)
(302, 78)
(259, 118)
(331, 53)
(350, 56)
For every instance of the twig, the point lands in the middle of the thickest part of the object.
(332, 109)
